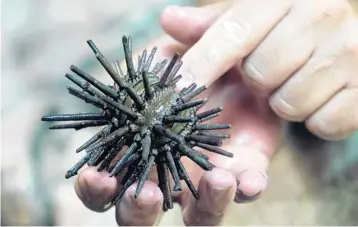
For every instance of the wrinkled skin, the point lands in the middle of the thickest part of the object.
(249, 105)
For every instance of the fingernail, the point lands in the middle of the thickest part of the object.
(218, 193)
(237, 31)
(253, 72)
(144, 201)
(215, 196)
(318, 122)
(240, 197)
(278, 103)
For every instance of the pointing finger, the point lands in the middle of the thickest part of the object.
(188, 24)
(231, 38)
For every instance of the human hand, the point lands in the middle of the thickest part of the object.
(301, 54)
(254, 138)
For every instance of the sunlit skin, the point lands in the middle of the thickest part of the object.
(297, 57)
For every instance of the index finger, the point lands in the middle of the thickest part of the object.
(231, 38)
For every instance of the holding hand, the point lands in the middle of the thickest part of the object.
(254, 138)
(302, 55)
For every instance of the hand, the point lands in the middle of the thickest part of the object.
(254, 139)
(301, 54)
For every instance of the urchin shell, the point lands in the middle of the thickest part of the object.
(146, 114)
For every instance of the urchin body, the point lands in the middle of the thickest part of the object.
(144, 113)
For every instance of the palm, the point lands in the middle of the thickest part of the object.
(243, 111)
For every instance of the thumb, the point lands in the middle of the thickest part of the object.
(188, 24)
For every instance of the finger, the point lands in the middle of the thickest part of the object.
(337, 118)
(216, 191)
(251, 184)
(187, 24)
(255, 138)
(143, 211)
(95, 189)
(285, 49)
(249, 165)
(317, 81)
(254, 144)
(232, 37)
(330, 68)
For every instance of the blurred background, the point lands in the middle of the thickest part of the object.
(312, 182)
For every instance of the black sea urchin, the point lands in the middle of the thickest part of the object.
(146, 114)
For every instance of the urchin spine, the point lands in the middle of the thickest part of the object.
(143, 112)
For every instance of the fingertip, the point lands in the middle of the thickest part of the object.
(143, 210)
(150, 194)
(251, 184)
(188, 24)
(219, 178)
(217, 189)
(95, 189)
(220, 186)
(169, 11)
(175, 19)
(167, 18)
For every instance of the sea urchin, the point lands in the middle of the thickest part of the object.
(144, 113)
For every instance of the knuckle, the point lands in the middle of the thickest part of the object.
(321, 66)
(207, 54)
(236, 34)
(211, 56)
